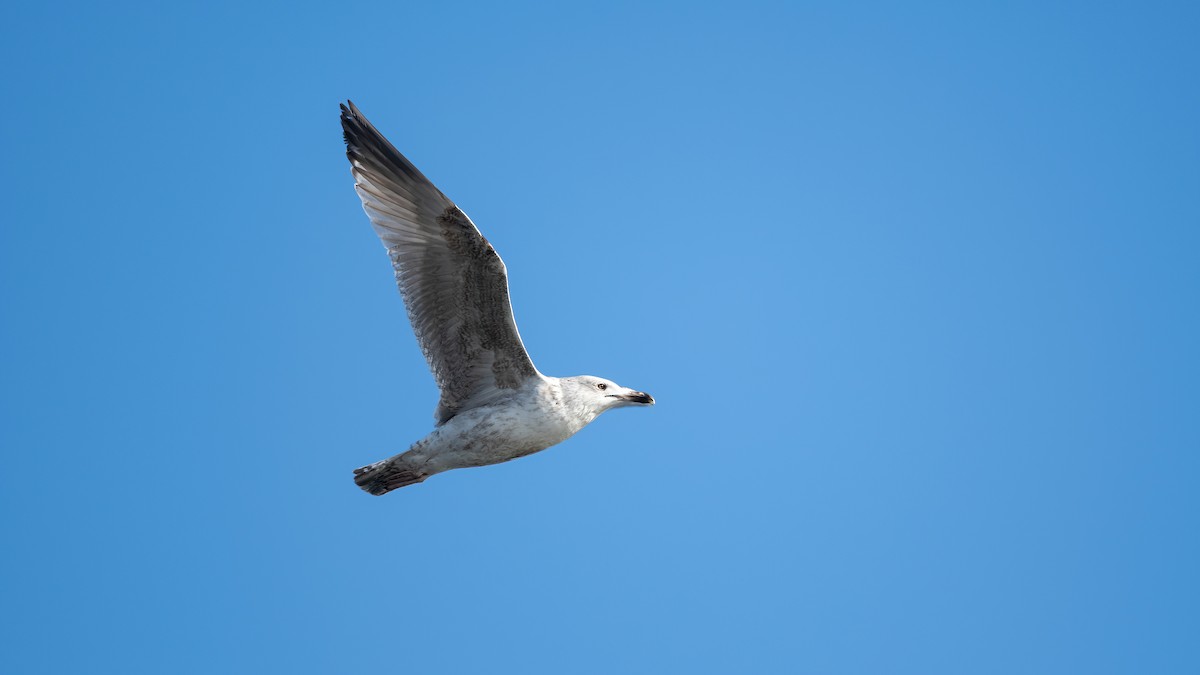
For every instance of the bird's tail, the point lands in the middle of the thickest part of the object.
(383, 477)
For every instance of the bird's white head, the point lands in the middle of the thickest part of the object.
(596, 394)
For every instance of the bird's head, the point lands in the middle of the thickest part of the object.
(599, 394)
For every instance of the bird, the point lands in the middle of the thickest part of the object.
(494, 404)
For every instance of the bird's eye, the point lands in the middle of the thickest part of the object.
(602, 386)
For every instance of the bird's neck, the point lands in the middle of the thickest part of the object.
(575, 408)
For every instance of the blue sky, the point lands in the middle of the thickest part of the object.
(915, 286)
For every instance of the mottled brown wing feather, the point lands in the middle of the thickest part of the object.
(454, 284)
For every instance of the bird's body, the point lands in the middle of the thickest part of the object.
(533, 418)
(495, 406)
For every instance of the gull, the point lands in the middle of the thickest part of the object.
(495, 406)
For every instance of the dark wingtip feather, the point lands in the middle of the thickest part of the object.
(352, 121)
(375, 153)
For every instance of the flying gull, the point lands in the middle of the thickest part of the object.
(495, 406)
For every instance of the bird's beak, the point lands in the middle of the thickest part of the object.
(639, 397)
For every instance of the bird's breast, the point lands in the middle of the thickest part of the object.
(494, 434)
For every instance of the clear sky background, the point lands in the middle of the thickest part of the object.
(916, 286)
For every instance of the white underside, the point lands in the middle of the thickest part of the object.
(532, 419)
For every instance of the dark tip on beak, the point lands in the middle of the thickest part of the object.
(640, 397)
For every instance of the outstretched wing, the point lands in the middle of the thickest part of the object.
(454, 284)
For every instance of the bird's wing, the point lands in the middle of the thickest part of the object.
(454, 284)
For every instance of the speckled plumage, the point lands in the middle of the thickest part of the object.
(495, 406)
